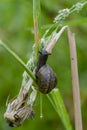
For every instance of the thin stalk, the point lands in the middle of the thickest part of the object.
(19, 60)
(36, 19)
(41, 105)
(75, 81)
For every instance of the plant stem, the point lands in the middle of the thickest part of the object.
(20, 61)
(75, 81)
(36, 19)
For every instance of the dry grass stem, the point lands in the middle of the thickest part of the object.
(75, 81)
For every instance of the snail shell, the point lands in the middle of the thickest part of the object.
(46, 79)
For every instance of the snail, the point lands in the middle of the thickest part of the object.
(46, 78)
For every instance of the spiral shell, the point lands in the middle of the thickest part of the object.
(46, 79)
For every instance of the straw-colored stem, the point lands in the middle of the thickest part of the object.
(75, 81)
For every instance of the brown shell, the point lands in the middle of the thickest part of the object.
(46, 79)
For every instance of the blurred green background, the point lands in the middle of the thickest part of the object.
(16, 29)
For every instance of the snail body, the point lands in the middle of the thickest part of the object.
(46, 78)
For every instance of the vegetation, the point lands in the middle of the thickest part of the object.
(16, 29)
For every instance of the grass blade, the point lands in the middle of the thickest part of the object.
(18, 59)
(59, 106)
